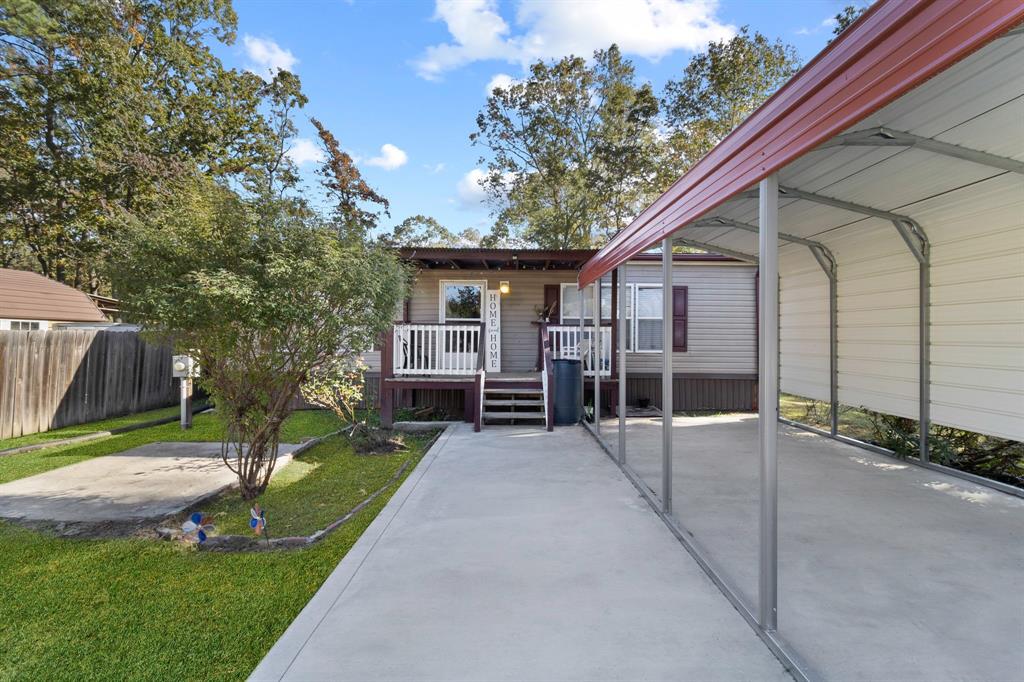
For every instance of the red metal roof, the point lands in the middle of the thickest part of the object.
(30, 296)
(895, 46)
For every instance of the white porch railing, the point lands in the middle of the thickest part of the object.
(565, 344)
(441, 349)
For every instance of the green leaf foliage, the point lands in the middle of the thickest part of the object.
(572, 148)
(718, 90)
(261, 296)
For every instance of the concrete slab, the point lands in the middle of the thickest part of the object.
(517, 554)
(886, 570)
(149, 481)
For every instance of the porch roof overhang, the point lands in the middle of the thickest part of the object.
(915, 100)
(496, 259)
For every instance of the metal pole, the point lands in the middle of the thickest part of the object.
(597, 357)
(186, 403)
(833, 349)
(583, 378)
(768, 382)
(924, 354)
(666, 375)
(623, 306)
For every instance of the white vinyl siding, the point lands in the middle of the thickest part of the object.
(722, 327)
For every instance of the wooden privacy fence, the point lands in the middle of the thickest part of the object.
(50, 379)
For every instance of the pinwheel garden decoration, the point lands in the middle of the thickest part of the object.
(198, 527)
(258, 522)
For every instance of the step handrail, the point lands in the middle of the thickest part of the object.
(548, 382)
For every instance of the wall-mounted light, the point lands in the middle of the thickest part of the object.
(504, 287)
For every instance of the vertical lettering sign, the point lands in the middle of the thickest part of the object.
(492, 336)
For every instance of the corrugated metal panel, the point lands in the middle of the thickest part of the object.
(803, 328)
(977, 332)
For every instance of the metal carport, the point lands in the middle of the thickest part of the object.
(881, 190)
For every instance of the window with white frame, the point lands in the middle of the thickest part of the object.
(648, 318)
(24, 325)
(569, 307)
(462, 301)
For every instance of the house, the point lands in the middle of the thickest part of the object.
(477, 321)
(30, 302)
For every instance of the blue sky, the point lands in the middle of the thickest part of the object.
(400, 83)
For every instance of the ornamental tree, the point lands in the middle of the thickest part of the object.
(263, 295)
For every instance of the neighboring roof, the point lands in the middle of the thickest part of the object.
(30, 296)
(526, 259)
(894, 47)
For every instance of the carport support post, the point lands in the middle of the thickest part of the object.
(623, 303)
(579, 348)
(768, 404)
(597, 356)
(666, 375)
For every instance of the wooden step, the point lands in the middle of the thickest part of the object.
(514, 391)
(517, 403)
(518, 416)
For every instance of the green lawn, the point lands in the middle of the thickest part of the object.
(90, 427)
(205, 427)
(148, 609)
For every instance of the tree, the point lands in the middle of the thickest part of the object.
(718, 90)
(572, 148)
(421, 230)
(352, 213)
(263, 298)
(104, 104)
(845, 17)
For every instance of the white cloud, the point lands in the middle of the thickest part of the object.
(546, 30)
(468, 190)
(267, 57)
(827, 23)
(304, 150)
(434, 168)
(499, 80)
(391, 157)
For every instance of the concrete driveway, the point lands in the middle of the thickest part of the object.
(517, 554)
(149, 481)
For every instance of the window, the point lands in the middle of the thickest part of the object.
(569, 307)
(462, 301)
(570, 304)
(24, 325)
(648, 318)
(643, 330)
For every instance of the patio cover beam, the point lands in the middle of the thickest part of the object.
(621, 321)
(916, 239)
(823, 255)
(768, 402)
(739, 255)
(666, 375)
(885, 137)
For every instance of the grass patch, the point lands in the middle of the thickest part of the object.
(205, 427)
(319, 486)
(144, 609)
(90, 427)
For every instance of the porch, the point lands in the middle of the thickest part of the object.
(485, 327)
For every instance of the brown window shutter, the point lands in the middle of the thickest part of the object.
(552, 292)
(679, 321)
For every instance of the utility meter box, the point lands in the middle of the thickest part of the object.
(184, 367)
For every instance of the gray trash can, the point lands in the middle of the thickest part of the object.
(567, 392)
